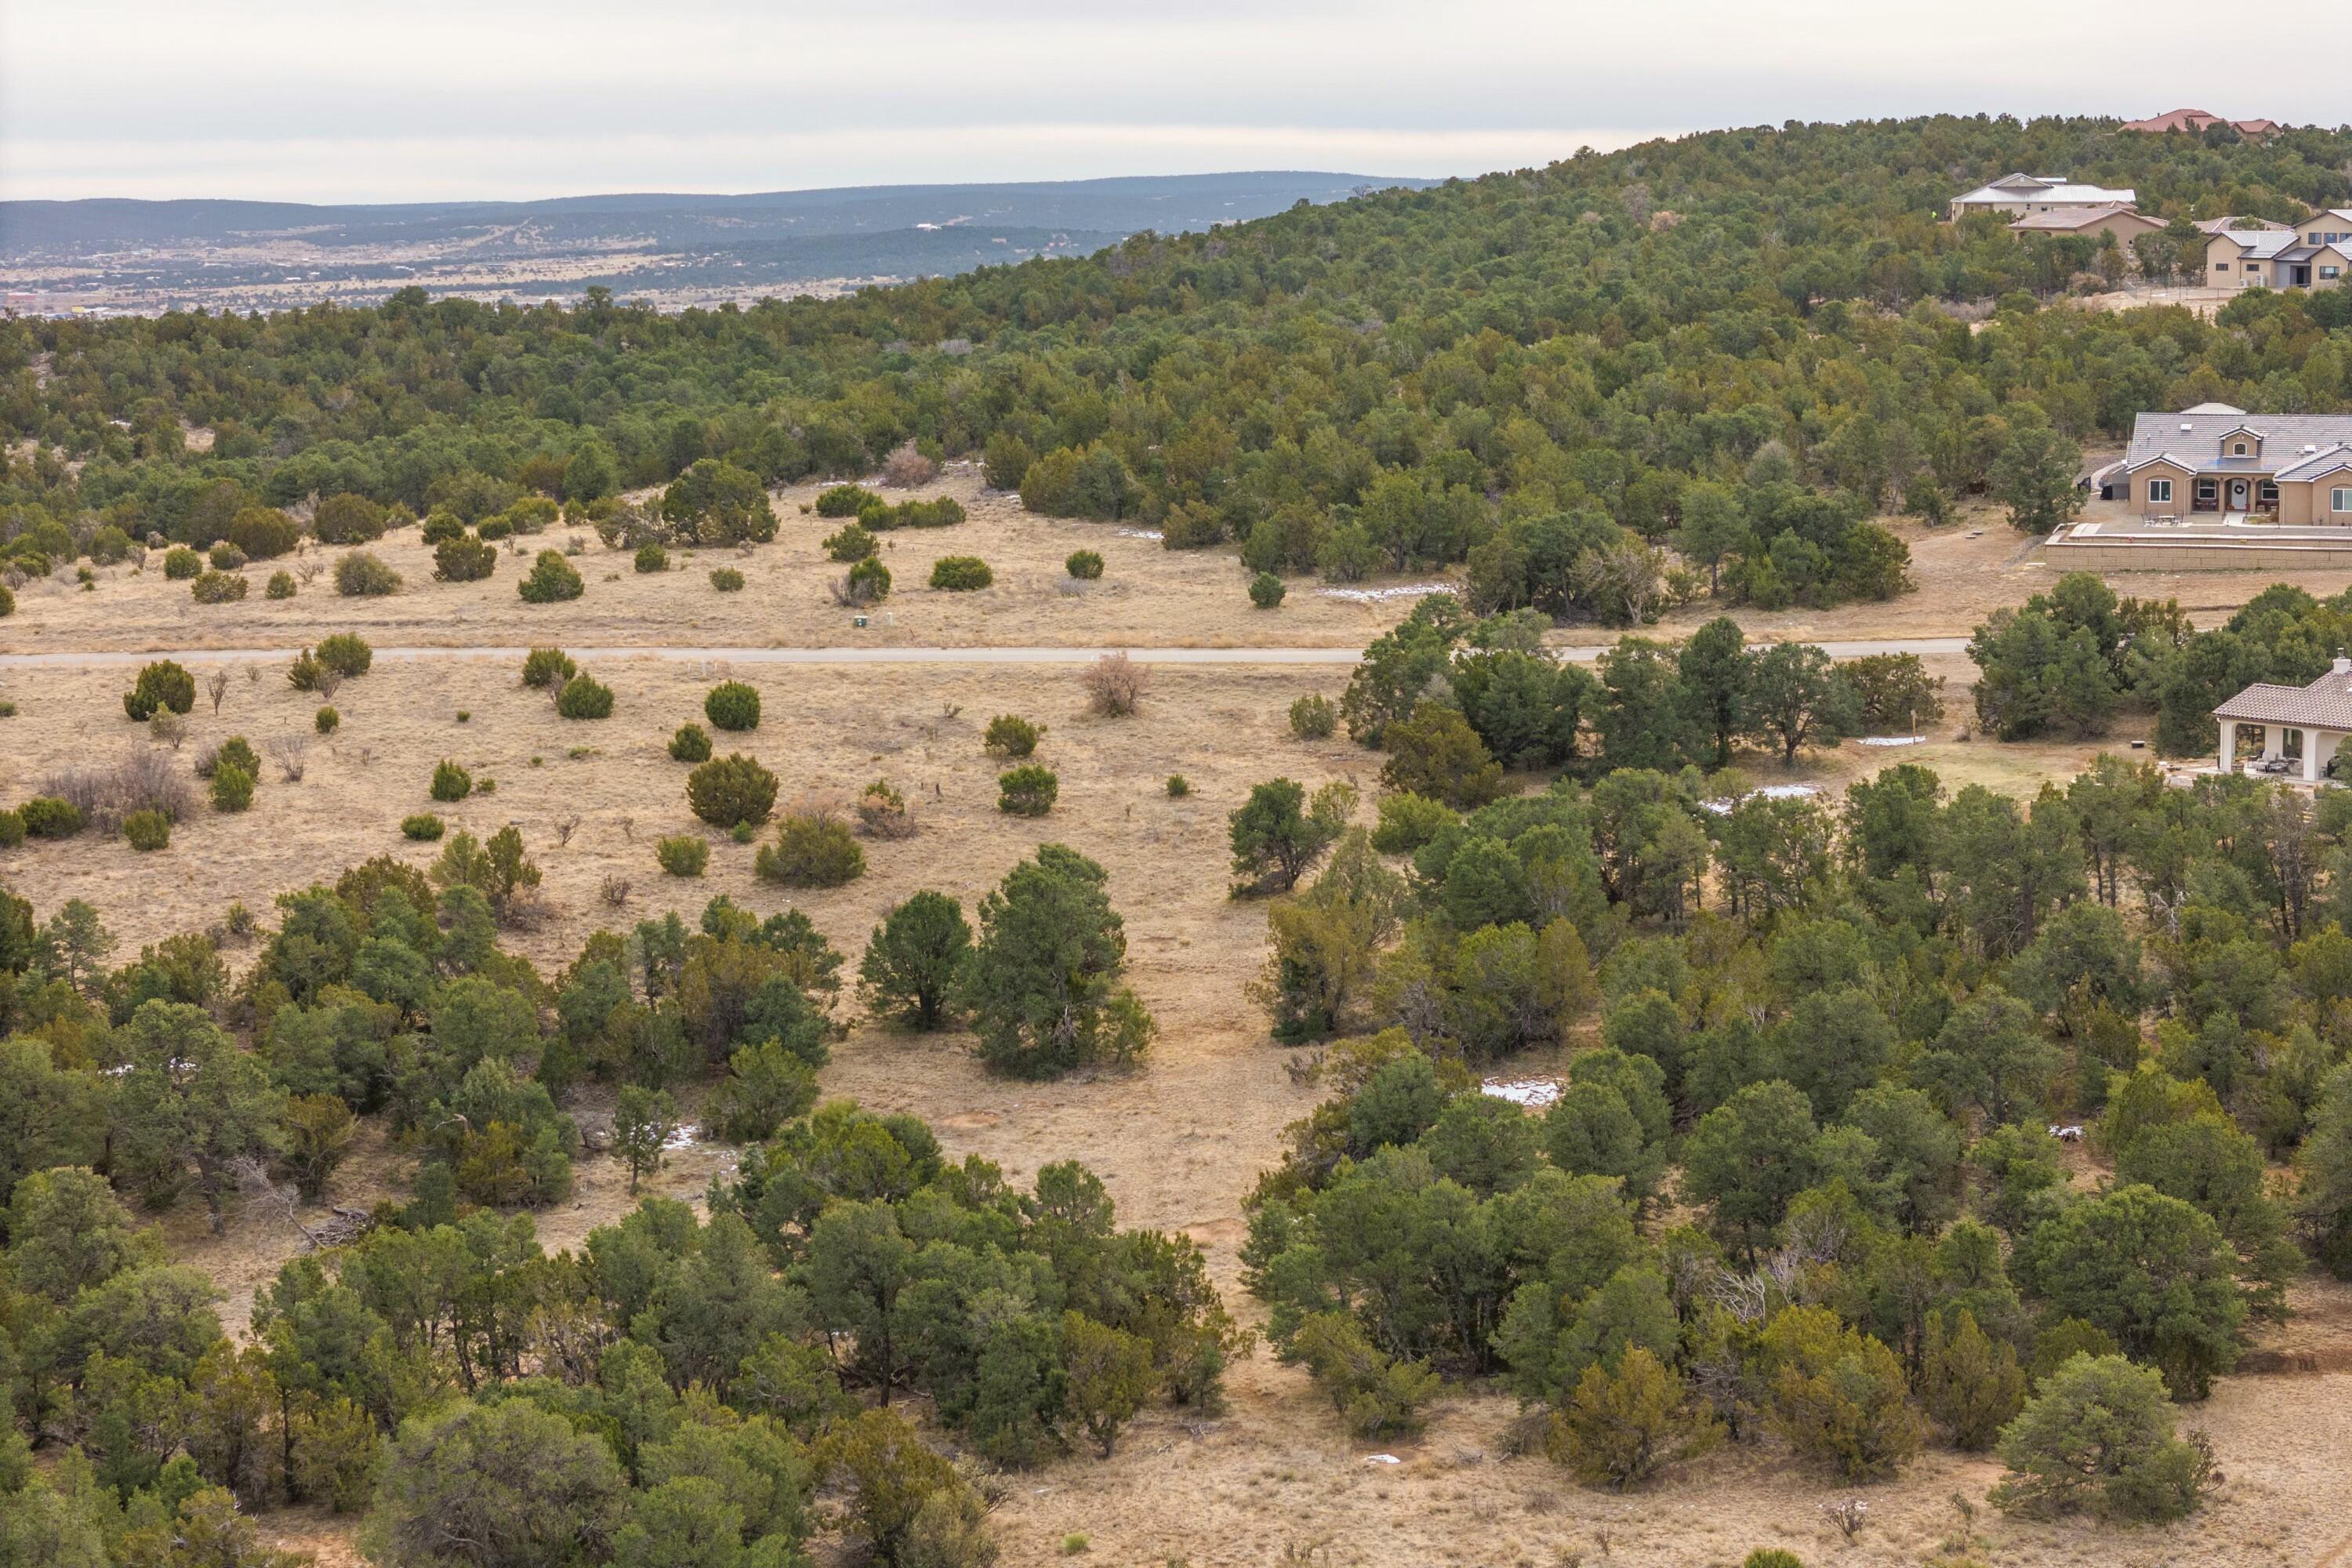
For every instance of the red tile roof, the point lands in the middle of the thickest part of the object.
(2197, 120)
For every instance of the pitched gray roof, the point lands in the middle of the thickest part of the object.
(2262, 244)
(2326, 460)
(2055, 189)
(2326, 702)
(2193, 439)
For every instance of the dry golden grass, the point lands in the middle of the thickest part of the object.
(1178, 1142)
(1148, 596)
(1975, 564)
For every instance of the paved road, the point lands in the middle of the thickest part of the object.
(965, 656)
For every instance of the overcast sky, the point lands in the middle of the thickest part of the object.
(432, 100)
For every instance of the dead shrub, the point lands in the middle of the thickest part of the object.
(167, 728)
(290, 752)
(140, 781)
(216, 687)
(1115, 684)
(615, 890)
(906, 467)
(565, 826)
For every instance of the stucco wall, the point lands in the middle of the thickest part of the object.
(2113, 553)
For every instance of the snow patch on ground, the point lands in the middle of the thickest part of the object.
(1380, 595)
(1891, 741)
(1770, 792)
(1535, 1093)
(1140, 533)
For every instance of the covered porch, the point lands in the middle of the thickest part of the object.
(2301, 753)
(2289, 732)
(2238, 495)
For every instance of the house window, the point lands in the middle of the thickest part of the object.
(2160, 490)
(2239, 449)
(2267, 493)
(2340, 500)
(2208, 490)
(2327, 271)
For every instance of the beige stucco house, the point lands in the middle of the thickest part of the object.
(2313, 254)
(2288, 731)
(2120, 221)
(2019, 195)
(2290, 468)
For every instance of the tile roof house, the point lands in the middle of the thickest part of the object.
(2290, 468)
(2194, 120)
(2018, 195)
(2300, 728)
(2120, 221)
(2315, 255)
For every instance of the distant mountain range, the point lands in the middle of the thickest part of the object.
(146, 254)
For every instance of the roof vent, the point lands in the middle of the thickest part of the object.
(2186, 427)
(2308, 448)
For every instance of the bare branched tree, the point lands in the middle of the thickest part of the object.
(216, 687)
(290, 752)
(1849, 1515)
(1116, 684)
(565, 826)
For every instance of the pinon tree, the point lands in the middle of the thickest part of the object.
(1043, 986)
(915, 960)
(192, 1105)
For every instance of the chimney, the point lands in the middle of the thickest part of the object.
(2343, 664)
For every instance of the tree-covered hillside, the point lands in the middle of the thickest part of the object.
(1399, 379)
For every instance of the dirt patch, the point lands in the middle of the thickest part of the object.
(1977, 563)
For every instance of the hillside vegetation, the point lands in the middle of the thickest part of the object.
(1403, 379)
(1884, 1128)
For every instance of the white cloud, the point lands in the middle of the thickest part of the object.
(358, 100)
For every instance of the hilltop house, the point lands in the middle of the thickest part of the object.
(2194, 121)
(2019, 194)
(2289, 731)
(2290, 468)
(2316, 255)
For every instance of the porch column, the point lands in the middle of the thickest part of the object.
(2311, 756)
(2229, 745)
